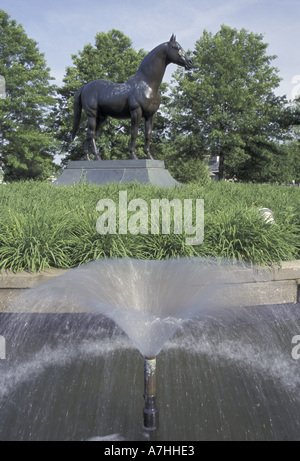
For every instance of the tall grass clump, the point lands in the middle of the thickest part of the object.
(44, 226)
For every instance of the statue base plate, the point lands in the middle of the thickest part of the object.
(120, 171)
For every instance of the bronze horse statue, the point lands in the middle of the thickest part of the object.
(138, 97)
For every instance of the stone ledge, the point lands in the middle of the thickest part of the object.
(24, 279)
(249, 288)
(290, 270)
(261, 293)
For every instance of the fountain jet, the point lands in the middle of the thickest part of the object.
(150, 412)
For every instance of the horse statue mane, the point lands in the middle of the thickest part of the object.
(138, 97)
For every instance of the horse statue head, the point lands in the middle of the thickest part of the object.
(177, 55)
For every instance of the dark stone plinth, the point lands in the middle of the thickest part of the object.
(120, 171)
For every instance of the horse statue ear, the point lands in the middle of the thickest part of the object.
(173, 38)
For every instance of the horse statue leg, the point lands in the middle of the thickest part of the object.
(90, 139)
(136, 116)
(148, 132)
(86, 149)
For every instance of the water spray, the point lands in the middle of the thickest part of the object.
(150, 412)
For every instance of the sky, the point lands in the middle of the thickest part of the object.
(62, 27)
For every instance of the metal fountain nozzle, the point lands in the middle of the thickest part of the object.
(150, 412)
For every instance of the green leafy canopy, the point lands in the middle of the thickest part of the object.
(26, 140)
(226, 105)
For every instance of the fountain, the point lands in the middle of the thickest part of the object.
(74, 347)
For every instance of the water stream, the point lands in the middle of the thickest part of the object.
(75, 347)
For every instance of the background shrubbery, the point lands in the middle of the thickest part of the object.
(43, 226)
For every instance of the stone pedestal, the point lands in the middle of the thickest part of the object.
(119, 171)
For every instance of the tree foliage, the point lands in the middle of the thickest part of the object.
(288, 162)
(26, 138)
(226, 105)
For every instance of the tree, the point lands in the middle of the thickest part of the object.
(26, 140)
(289, 160)
(226, 106)
(111, 58)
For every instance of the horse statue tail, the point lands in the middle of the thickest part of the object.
(77, 111)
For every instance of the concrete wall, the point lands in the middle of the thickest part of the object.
(13, 285)
(265, 287)
(250, 288)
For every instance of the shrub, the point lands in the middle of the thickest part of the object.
(43, 226)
